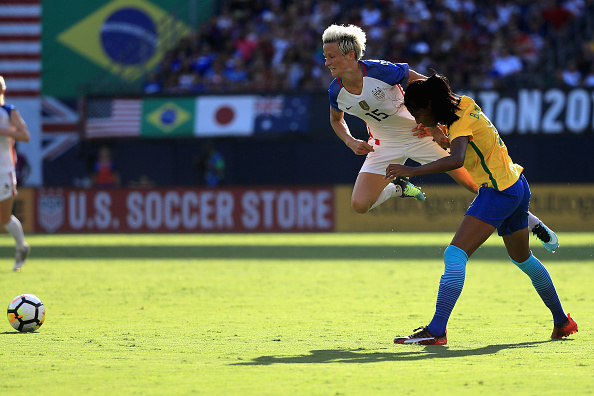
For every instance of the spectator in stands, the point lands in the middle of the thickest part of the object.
(589, 77)
(293, 68)
(236, 73)
(556, 15)
(185, 77)
(571, 76)
(370, 14)
(246, 43)
(281, 43)
(210, 165)
(170, 84)
(203, 58)
(585, 58)
(214, 78)
(197, 83)
(505, 63)
(575, 7)
(152, 85)
(105, 175)
(264, 32)
(525, 45)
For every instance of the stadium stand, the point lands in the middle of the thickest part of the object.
(275, 44)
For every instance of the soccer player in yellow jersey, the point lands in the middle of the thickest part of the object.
(501, 204)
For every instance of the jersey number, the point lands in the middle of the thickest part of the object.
(377, 114)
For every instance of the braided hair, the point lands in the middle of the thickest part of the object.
(435, 91)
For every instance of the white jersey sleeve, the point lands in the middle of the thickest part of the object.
(381, 102)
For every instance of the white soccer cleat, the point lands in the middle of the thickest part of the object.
(21, 256)
(546, 236)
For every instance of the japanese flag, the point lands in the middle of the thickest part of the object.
(224, 116)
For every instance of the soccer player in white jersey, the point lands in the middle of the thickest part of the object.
(372, 90)
(12, 127)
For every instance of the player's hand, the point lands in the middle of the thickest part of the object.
(395, 170)
(421, 131)
(360, 147)
(438, 133)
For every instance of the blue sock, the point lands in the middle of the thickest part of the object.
(542, 282)
(450, 287)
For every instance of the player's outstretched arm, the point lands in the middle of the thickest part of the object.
(341, 129)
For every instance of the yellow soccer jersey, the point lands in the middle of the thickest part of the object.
(487, 159)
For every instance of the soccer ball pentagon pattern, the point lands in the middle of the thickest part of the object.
(26, 313)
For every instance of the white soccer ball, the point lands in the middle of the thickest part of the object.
(26, 313)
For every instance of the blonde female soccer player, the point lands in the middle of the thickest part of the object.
(12, 127)
(372, 90)
(501, 204)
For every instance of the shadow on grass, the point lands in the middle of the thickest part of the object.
(329, 252)
(360, 356)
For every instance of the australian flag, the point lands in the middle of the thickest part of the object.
(282, 114)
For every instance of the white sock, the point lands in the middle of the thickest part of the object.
(15, 229)
(533, 221)
(391, 190)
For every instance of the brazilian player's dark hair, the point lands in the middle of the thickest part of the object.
(435, 90)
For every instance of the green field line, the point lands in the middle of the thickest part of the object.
(283, 252)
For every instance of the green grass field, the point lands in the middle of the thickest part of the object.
(302, 314)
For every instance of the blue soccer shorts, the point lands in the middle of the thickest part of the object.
(505, 210)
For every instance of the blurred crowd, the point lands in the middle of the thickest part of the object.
(269, 45)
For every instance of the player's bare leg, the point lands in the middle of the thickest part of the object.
(15, 229)
(367, 190)
(371, 190)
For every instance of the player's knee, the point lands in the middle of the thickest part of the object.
(360, 206)
(5, 219)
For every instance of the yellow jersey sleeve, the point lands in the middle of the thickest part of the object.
(487, 159)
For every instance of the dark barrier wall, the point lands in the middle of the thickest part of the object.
(549, 132)
(325, 161)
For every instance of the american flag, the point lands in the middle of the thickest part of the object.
(113, 118)
(20, 47)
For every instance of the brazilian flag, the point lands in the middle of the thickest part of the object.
(163, 118)
(86, 43)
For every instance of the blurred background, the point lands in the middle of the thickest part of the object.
(128, 97)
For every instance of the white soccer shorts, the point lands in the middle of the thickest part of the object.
(423, 151)
(7, 185)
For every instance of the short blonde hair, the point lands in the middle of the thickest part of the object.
(349, 38)
(2, 84)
